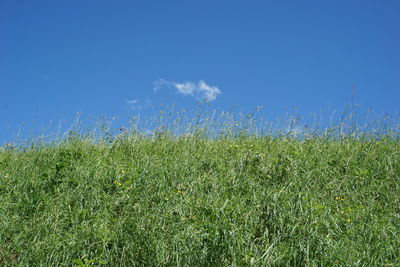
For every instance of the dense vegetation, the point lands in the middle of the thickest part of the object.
(190, 200)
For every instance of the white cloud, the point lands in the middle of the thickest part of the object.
(161, 83)
(187, 88)
(131, 102)
(200, 89)
(136, 104)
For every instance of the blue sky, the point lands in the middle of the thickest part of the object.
(108, 58)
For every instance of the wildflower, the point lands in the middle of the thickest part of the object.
(117, 183)
(339, 198)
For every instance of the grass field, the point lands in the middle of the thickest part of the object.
(171, 200)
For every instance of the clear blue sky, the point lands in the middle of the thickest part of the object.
(94, 56)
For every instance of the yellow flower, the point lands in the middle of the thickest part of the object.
(117, 183)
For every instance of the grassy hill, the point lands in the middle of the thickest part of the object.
(164, 200)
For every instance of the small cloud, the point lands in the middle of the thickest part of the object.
(187, 88)
(131, 102)
(136, 104)
(160, 83)
(200, 89)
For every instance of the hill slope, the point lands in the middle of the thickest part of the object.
(181, 201)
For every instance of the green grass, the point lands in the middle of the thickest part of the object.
(165, 200)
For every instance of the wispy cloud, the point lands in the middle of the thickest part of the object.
(131, 102)
(200, 89)
(136, 104)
